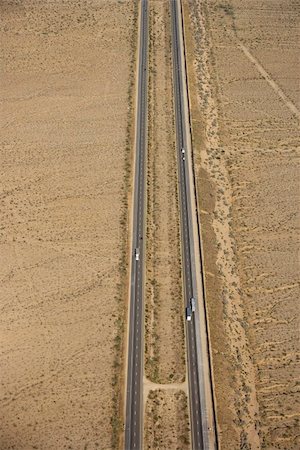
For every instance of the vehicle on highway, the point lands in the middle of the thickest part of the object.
(188, 313)
(137, 254)
(183, 151)
(193, 304)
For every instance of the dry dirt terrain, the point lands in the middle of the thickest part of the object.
(244, 90)
(66, 75)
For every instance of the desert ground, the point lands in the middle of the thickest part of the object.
(67, 97)
(244, 92)
(66, 80)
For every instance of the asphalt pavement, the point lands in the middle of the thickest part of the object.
(134, 398)
(134, 394)
(197, 418)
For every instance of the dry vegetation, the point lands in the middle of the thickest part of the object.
(167, 420)
(244, 92)
(165, 360)
(66, 98)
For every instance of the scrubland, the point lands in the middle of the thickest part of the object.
(167, 420)
(244, 92)
(66, 104)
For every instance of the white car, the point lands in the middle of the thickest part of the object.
(183, 151)
(188, 313)
(137, 254)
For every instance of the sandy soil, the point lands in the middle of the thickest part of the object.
(165, 360)
(244, 88)
(64, 111)
(166, 420)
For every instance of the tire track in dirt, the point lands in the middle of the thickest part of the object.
(59, 368)
(270, 80)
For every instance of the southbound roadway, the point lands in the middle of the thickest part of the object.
(134, 400)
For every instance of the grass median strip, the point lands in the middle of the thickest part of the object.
(164, 309)
(167, 420)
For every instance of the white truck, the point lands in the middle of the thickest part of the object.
(193, 304)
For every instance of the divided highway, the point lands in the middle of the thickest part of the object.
(134, 400)
(202, 431)
(199, 382)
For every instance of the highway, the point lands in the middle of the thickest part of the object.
(134, 386)
(196, 382)
(199, 379)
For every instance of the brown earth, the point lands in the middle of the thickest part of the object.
(167, 420)
(244, 89)
(65, 157)
(164, 337)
